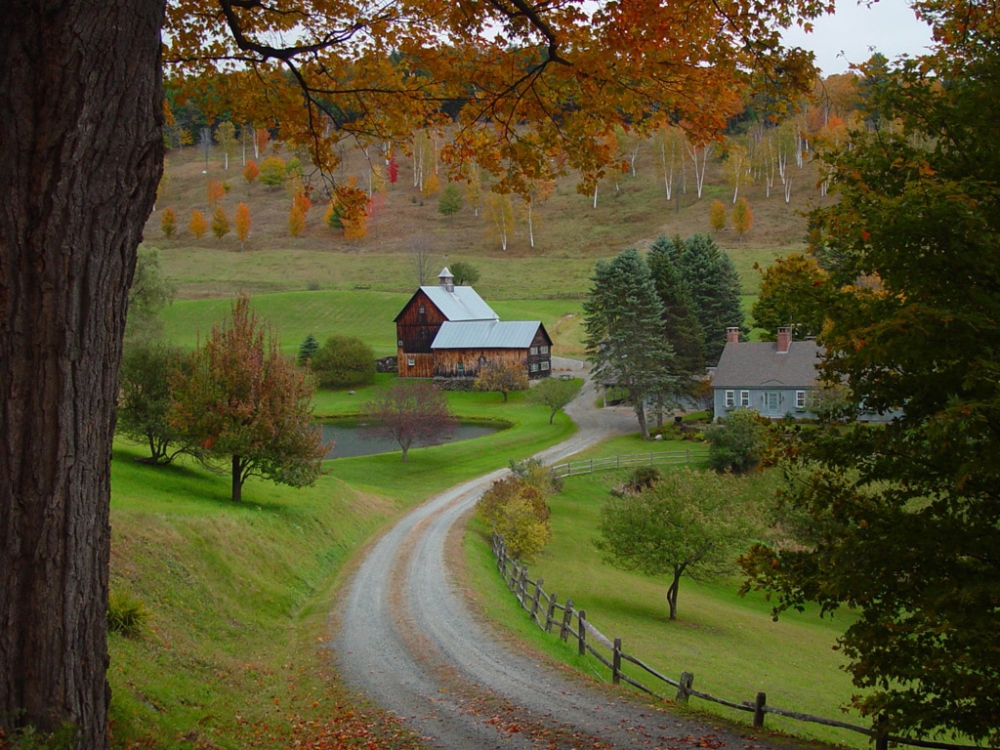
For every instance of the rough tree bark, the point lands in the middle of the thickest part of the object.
(81, 148)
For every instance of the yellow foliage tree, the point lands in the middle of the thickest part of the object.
(717, 215)
(168, 222)
(742, 217)
(220, 223)
(296, 221)
(198, 225)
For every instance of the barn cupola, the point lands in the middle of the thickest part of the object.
(446, 280)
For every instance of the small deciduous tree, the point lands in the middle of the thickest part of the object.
(144, 399)
(168, 222)
(296, 221)
(742, 217)
(411, 412)
(717, 215)
(198, 226)
(220, 223)
(225, 136)
(243, 402)
(553, 393)
(251, 172)
(242, 221)
(273, 171)
(684, 525)
(737, 443)
(216, 191)
(501, 377)
(501, 216)
(464, 273)
(793, 292)
(150, 292)
(392, 170)
(343, 362)
(518, 511)
(450, 202)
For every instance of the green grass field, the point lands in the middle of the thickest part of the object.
(730, 643)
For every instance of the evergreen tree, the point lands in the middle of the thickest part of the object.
(713, 285)
(307, 349)
(680, 325)
(624, 331)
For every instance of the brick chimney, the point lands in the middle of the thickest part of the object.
(446, 280)
(784, 339)
(733, 335)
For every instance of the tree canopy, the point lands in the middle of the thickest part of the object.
(624, 331)
(242, 402)
(907, 515)
(792, 293)
(411, 412)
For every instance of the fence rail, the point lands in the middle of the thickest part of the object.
(548, 613)
(624, 461)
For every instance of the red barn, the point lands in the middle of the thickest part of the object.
(449, 331)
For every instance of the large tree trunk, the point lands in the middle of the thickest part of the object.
(81, 154)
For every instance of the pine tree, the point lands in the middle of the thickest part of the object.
(680, 324)
(713, 285)
(624, 331)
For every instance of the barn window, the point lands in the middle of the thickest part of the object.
(534, 367)
(460, 368)
(411, 361)
(543, 349)
(545, 365)
(421, 309)
(534, 350)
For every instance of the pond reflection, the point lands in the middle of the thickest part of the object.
(351, 440)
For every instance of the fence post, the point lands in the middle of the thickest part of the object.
(538, 593)
(684, 689)
(651, 458)
(566, 620)
(582, 631)
(522, 585)
(616, 662)
(591, 466)
(618, 460)
(549, 613)
(758, 710)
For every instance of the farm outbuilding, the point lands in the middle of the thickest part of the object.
(448, 331)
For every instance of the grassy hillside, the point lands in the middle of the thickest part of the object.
(570, 233)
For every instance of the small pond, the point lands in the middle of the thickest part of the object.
(351, 441)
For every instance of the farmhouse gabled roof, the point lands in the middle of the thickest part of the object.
(751, 365)
(491, 334)
(462, 303)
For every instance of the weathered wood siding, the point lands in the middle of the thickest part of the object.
(422, 367)
(539, 356)
(418, 324)
(466, 363)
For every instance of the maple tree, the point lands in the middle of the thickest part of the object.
(251, 172)
(793, 292)
(216, 191)
(168, 222)
(553, 393)
(198, 226)
(411, 412)
(220, 223)
(241, 401)
(242, 222)
(88, 205)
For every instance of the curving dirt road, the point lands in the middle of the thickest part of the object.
(407, 640)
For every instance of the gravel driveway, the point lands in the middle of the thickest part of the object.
(408, 640)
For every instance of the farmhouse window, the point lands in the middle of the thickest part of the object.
(745, 399)
(730, 399)
(545, 365)
(800, 399)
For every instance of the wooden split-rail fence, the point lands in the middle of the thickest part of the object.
(697, 454)
(565, 621)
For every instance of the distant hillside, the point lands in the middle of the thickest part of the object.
(569, 232)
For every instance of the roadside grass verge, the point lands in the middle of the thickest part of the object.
(730, 643)
(239, 595)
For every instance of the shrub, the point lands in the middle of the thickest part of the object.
(127, 615)
(273, 171)
(736, 443)
(643, 478)
(534, 473)
(343, 362)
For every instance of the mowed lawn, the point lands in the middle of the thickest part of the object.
(730, 643)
